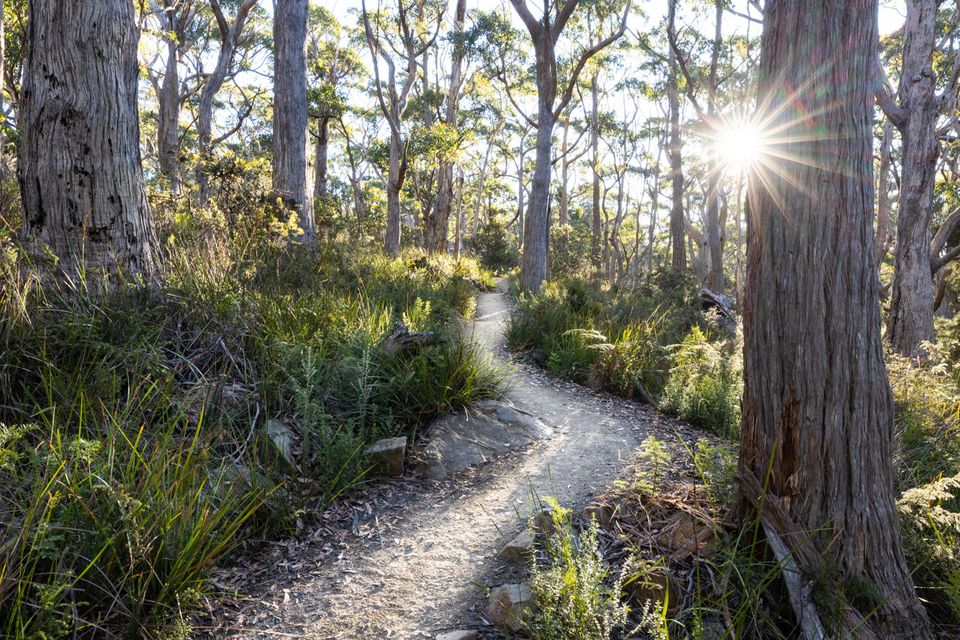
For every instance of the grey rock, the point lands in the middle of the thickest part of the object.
(386, 456)
(510, 606)
(520, 548)
(457, 441)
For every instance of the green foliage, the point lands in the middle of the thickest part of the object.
(134, 458)
(705, 384)
(614, 340)
(653, 461)
(116, 526)
(927, 403)
(496, 248)
(569, 251)
(930, 515)
(577, 597)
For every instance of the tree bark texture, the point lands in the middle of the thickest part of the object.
(290, 117)
(910, 321)
(80, 167)
(817, 407)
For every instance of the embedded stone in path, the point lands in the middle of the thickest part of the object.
(457, 441)
(386, 456)
(510, 606)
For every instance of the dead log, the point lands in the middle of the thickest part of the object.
(401, 340)
(721, 305)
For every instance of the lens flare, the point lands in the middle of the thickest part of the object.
(739, 146)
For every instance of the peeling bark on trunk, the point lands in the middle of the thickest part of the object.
(290, 118)
(817, 407)
(910, 322)
(80, 169)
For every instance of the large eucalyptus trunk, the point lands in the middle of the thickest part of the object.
(81, 178)
(440, 222)
(910, 322)
(290, 111)
(817, 408)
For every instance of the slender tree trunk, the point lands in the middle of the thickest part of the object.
(714, 234)
(817, 408)
(80, 168)
(458, 237)
(651, 234)
(679, 257)
(290, 118)
(883, 194)
(439, 229)
(168, 126)
(229, 35)
(481, 185)
(391, 242)
(320, 159)
(910, 322)
(595, 167)
(564, 213)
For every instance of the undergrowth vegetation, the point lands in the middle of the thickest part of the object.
(654, 344)
(135, 451)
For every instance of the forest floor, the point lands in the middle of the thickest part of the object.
(414, 558)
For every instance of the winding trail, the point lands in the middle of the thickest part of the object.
(429, 572)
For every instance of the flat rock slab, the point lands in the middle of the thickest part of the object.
(457, 441)
(458, 635)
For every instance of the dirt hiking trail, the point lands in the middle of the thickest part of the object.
(428, 572)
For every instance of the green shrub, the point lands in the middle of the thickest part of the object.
(577, 597)
(496, 248)
(705, 385)
(611, 339)
(569, 251)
